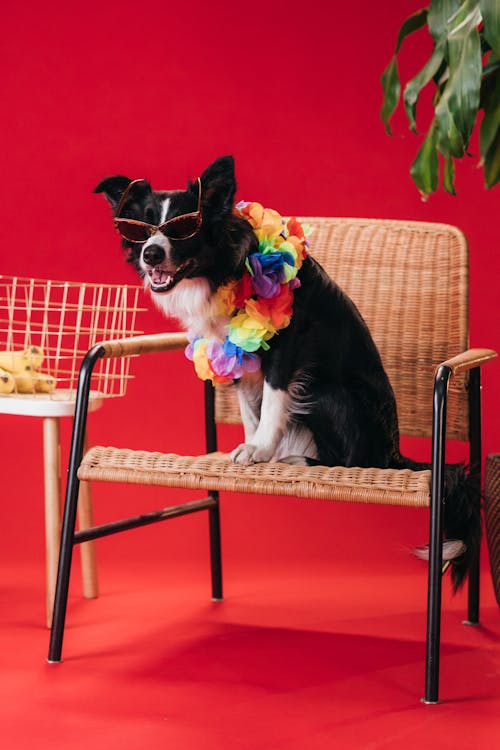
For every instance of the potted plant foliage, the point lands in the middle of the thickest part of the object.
(464, 70)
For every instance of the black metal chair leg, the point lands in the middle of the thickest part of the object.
(214, 513)
(215, 551)
(64, 570)
(473, 592)
(71, 502)
(433, 644)
(475, 463)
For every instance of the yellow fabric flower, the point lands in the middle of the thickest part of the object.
(250, 333)
(226, 298)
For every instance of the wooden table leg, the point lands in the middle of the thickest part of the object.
(52, 481)
(87, 549)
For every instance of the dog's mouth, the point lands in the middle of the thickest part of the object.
(162, 281)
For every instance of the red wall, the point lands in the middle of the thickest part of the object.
(159, 89)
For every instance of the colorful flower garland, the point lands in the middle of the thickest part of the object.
(260, 303)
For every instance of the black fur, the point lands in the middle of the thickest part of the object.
(350, 403)
(327, 354)
(224, 240)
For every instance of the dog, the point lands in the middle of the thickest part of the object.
(317, 393)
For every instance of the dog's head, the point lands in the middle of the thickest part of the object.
(173, 235)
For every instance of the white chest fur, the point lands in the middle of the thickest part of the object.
(194, 305)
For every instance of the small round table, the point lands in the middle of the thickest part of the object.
(50, 408)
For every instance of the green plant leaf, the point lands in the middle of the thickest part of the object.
(489, 134)
(492, 162)
(490, 12)
(411, 24)
(449, 175)
(390, 77)
(464, 32)
(465, 83)
(424, 170)
(449, 139)
(392, 89)
(440, 11)
(464, 51)
(490, 99)
(413, 87)
(456, 110)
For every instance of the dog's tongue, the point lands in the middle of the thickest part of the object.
(159, 277)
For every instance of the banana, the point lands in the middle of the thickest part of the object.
(16, 362)
(44, 383)
(13, 361)
(19, 372)
(29, 381)
(35, 356)
(24, 381)
(6, 381)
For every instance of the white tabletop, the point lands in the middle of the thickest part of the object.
(60, 403)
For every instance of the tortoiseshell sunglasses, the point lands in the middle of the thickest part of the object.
(178, 228)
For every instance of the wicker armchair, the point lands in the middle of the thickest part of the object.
(410, 281)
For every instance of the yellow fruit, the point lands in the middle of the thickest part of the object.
(24, 381)
(6, 381)
(17, 362)
(13, 361)
(34, 355)
(33, 382)
(44, 383)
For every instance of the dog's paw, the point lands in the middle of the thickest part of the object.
(247, 454)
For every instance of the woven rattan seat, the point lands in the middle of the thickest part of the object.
(410, 282)
(216, 472)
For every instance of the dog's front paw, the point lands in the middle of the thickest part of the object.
(246, 454)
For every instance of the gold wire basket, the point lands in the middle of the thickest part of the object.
(47, 327)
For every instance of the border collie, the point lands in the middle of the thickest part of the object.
(317, 392)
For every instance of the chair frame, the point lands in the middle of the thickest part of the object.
(470, 361)
(421, 323)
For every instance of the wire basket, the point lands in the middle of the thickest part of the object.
(47, 327)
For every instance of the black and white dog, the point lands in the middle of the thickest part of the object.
(321, 393)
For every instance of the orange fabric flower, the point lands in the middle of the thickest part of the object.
(295, 228)
(278, 309)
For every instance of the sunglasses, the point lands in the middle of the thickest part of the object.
(179, 228)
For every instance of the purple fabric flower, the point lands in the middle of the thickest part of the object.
(229, 360)
(189, 350)
(266, 275)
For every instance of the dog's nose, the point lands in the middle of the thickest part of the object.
(153, 255)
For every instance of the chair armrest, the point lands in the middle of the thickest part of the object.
(468, 360)
(471, 359)
(155, 342)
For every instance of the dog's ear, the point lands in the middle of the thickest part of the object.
(218, 185)
(113, 188)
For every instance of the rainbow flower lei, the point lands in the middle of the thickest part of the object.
(260, 303)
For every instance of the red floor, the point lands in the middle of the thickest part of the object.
(321, 656)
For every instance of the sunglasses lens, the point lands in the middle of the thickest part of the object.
(132, 232)
(181, 228)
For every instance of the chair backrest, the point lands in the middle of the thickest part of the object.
(410, 282)
(65, 319)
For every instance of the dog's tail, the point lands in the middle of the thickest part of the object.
(462, 518)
